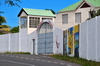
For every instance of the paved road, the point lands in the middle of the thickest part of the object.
(31, 60)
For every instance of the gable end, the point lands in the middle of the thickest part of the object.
(85, 5)
(22, 10)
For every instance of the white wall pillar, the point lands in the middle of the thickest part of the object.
(96, 38)
(19, 35)
(53, 19)
(80, 41)
(40, 19)
(9, 42)
(87, 41)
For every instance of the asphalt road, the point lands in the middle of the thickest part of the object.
(31, 60)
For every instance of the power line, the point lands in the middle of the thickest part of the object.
(12, 18)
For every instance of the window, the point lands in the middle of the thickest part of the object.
(65, 19)
(34, 22)
(23, 21)
(77, 17)
(46, 18)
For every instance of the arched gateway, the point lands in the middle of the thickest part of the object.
(45, 38)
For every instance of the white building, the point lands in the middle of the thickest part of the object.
(76, 13)
(41, 32)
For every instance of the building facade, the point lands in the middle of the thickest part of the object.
(41, 32)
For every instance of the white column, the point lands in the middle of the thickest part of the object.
(73, 42)
(67, 43)
(87, 41)
(53, 19)
(9, 42)
(28, 24)
(96, 37)
(27, 21)
(40, 19)
(80, 40)
(19, 35)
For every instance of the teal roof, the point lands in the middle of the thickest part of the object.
(95, 3)
(38, 12)
(72, 7)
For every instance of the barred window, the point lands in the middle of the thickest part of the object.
(34, 22)
(46, 18)
(77, 17)
(65, 19)
(23, 21)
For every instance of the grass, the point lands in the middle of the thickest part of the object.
(80, 61)
(16, 53)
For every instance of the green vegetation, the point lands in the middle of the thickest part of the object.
(80, 61)
(2, 33)
(15, 53)
(93, 13)
(10, 2)
(2, 20)
(14, 29)
(4, 29)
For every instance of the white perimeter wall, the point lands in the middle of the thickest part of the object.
(9, 42)
(14, 42)
(26, 41)
(58, 37)
(30, 44)
(89, 46)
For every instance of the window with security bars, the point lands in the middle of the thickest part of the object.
(23, 21)
(65, 19)
(77, 17)
(34, 22)
(46, 19)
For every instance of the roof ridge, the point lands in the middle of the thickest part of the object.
(37, 12)
(35, 9)
(95, 3)
(73, 4)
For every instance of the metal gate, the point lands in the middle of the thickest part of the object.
(45, 39)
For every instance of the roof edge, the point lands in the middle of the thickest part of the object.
(21, 12)
(70, 5)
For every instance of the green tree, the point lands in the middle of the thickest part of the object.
(93, 13)
(51, 11)
(5, 26)
(15, 29)
(98, 12)
(2, 20)
(11, 2)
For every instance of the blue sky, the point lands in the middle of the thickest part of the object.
(12, 12)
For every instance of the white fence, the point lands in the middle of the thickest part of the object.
(9, 42)
(89, 42)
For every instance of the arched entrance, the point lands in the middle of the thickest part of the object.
(45, 38)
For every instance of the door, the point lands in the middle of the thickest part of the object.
(33, 46)
(45, 39)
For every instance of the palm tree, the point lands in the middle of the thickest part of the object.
(2, 20)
